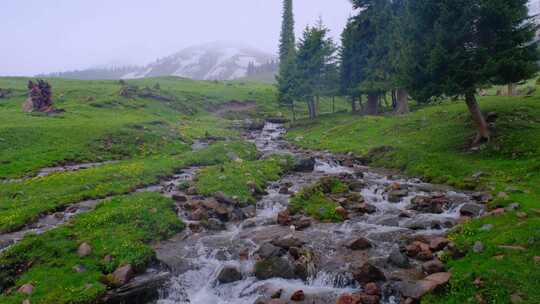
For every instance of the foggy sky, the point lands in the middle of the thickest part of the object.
(40, 36)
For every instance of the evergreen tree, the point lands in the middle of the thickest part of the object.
(369, 46)
(315, 67)
(287, 54)
(478, 43)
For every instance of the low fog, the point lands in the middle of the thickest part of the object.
(41, 36)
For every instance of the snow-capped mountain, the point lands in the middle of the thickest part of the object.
(212, 61)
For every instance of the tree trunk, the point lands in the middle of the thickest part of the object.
(394, 100)
(312, 109)
(353, 104)
(333, 104)
(511, 89)
(372, 107)
(481, 124)
(402, 102)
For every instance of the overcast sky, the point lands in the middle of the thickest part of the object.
(39, 36)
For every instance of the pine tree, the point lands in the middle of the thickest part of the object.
(287, 54)
(315, 67)
(478, 43)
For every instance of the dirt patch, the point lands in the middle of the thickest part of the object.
(234, 106)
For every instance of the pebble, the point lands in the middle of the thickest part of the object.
(478, 247)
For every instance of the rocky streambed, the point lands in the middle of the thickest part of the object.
(387, 249)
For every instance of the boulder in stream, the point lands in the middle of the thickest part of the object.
(367, 273)
(304, 164)
(274, 267)
(229, 275)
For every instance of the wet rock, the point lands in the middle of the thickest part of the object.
(298, 296)
(277, 294)
(425, 255)
(359, 244)
(417, 290)
(302, 223)
(389, 220)
(229, 275)
(415, 248)
(268, 250)
(367, 273)
(213, 224)
(347, 298)
(397, 258)
(432, 267)
(288, 242)
(357, 186)
(482, 197)
(472, 210)
(84, 250)
(284, 218)
(438, 243)
(274, 267)
(249, 223)
(198, 215)
(304, 165)
(191, 191)
(123, 275)
(284, 190)
(478, 247)
(179, 198)
(26, 289)
(395, 196)
(249, 211)
(372, 289)
(426, 204)
(369, 299)
(224, 199)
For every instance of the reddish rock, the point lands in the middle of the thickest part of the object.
(369, 299)
(438, 243)
(284, 218)
(198, 215)
(359, 244)
(122, 275)
(424, 255)
(348, 298)
(298, 296)
(536, 259)
(26, 301)
(84, 250)
(368, 273)
(497, 212)
(416, 247)
(302, 223)
(26, 289)
(417, 290)
(342, 212)
(372, 289)
(108, 258)
(432, 267)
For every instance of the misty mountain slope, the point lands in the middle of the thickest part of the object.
(211, 61)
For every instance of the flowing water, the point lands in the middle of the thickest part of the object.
(197, 257)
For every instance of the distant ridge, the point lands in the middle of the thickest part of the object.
(210, 61)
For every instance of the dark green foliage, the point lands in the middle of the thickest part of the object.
(316, 71)
(287, 53)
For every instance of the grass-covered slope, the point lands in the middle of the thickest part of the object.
(22, 202)
(433, 143)
(118, 232)
(99, 124)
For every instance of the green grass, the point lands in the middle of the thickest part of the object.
(100, 125)
(314, 202)
(433, 143)
(23, 202)
(47, 260)
(233, 178)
